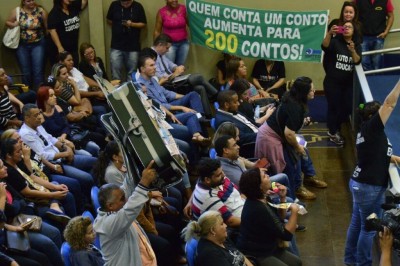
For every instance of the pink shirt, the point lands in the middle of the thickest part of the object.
(174, 22)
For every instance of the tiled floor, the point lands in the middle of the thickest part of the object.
(329, 215)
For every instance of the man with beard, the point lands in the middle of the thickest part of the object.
(215, 191)
(228, 101)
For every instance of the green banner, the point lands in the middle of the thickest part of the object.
(277, 35)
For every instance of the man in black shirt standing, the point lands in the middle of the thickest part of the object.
(126, 18)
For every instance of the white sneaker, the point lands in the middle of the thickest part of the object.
(336, 138)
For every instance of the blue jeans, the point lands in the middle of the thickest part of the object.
(73, 186)
(92, 148)
(293, 172)
(183, 138)
(367, 199)
(191, 121)
(191, 100)
(371, 43)
(47, 241)
(307, 166)
(80, 170)
(120, 59)
(178, 52)
(31, 61)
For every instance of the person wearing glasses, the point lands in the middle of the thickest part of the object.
(341, 54)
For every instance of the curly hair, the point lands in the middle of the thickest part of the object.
(75, 232)
(203, 226)
(249, 184)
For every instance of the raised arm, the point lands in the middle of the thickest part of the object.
(390, 103)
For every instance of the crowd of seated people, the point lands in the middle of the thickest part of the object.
(54, 152)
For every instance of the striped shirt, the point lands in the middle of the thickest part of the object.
(225, 198)
(6, 110)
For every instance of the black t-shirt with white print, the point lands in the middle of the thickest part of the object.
(373, 152)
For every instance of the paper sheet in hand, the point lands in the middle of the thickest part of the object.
(180, 78)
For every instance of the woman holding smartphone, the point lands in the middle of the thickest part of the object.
(341, 54)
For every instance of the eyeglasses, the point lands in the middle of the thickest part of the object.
(89, 53)
(37, 114)
(348, 27)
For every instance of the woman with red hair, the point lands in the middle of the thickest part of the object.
(56, 121)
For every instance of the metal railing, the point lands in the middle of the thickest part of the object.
(360, 81)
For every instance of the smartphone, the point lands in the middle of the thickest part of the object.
(262, 163)
(270, 105)
(340, 30)
(28, 223)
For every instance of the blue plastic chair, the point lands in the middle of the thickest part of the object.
(97, 239)
(88, 214)
(94, 194)
(191, 250)
(65, 252)
(212, 123)
(216, 105)
(212, 153)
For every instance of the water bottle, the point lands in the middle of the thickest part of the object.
(257, 112)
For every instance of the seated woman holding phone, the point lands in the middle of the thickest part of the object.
(245, 92)
(236, 69)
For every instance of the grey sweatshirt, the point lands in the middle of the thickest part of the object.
(118, 238)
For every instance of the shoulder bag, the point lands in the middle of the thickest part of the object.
(18, 242)
(11, 37)
(25, 219)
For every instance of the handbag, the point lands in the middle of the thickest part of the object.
(23, 219)
(11, 37)
(179, 84)
(79, 136)
(18, 241)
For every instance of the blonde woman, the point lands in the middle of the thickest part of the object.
(213, 248)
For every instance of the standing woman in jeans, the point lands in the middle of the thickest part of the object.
(32, 44)
(371, 175)
(172, 20)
